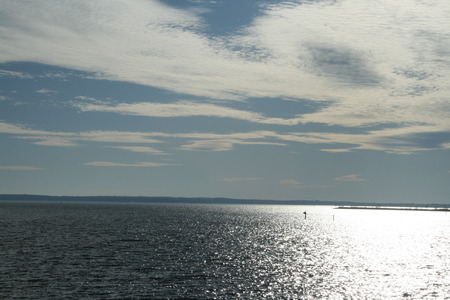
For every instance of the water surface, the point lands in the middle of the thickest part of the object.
(199, 251)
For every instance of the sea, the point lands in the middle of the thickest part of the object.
(80, 250)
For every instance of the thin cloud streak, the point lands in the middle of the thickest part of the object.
(350, 178)
(116, 164)
(241, 179)
(20, 168)
(186, 109)
(290, 182)
(45, 91)
(140, 149)
(382, 140)
(393, 140)
(295, 184)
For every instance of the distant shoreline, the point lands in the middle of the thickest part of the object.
(218, 200)
(441, 209)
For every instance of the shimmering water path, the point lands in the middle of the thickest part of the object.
(160, 251)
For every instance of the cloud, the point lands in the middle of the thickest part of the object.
(116, 164)
(315, 51)
(241, 179)
(336, 150)
(196, 141)
(221, 144)
(185, 109)
(21, 75)
(45, 91)
(140, 149)
(350, 178)
(403, 140)
(290, 182)
(20, 168)
(132, 137)
(209, 145)
(71, 139)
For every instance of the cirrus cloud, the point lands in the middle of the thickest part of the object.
(288, 51)
(117, 164)
(240, 179)
(20, 168)
(185, 109)
(350, 178)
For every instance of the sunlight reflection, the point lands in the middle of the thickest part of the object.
(393, 250)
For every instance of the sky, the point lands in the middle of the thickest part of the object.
(345, 100)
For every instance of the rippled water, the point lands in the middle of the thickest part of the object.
(158, 251)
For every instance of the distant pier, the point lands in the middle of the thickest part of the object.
(395, 208)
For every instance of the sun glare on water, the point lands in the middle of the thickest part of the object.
(402, 251)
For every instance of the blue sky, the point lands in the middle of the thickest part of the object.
(330, 100)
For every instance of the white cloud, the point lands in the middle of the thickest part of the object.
(290, 182)
(132, 137)
(19, 168)
(336, 150)
(45, 91)
(116, 164)
(350, 178)
(55, 138)
(392, 140)
(140, 149)
(241, 179)
(51, 141)
(320, 51)
(185, 109)
(316, 50)
(209, 145)
(21, 75)
(221, 144)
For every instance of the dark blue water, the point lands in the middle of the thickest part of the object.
(160, 251)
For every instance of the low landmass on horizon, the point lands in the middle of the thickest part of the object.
(207, 200)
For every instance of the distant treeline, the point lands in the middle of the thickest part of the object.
(145, 199)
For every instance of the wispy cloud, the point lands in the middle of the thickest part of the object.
(221, 143)
(290, 51)
(21, 75)
(117, 164)
(45, 91)
(336, 150)
(241, 179)
(290, 182)
(140, 149)
(293, 183)
(71, 139)
(20, 168)
(393, 140)
(186, 109)
(350, 178)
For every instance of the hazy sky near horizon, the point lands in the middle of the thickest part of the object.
(330, 100)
